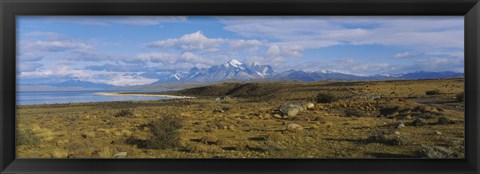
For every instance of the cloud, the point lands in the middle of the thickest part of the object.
(242, 44)
(30, 56)
(28, 67)
(325, 31)
(283, 52)
(57, 45)
(107, 77)
(405, 55)
(117, 68)
(189, 42)
(158, 57)
(124, 79)
(47, 34)
(109, 20)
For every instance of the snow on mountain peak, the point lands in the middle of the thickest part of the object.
(234, 63)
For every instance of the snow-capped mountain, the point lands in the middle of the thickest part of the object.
(236, 70)
(232, 69)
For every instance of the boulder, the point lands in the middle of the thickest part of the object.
(309, 105)
(291, 109)
(294, 128)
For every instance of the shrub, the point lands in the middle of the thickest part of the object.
(385, 138)
(399, 141)
(325, 98)
(460, 96)
(209, 139)
(419, 122)
(377, 137)
(352, 112)
(26, 137)
(165, 132)
(124, 113)
(389, 110)
(432, 92)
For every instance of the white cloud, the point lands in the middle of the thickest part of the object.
(283, 52)
(28, 67)
(159, 57)
(112, 78)
(56, 46)
(317, 32)
(405, 55)
(242, 44)
(190, 42)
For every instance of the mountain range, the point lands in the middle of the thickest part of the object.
(236, 70)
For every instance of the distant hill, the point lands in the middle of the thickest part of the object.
(236, 70)
(82, 84)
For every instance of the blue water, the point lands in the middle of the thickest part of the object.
(58, 97)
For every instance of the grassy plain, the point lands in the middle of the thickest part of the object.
(381, 119)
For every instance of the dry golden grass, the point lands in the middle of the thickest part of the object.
(250, 126)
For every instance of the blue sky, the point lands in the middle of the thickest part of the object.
(136, 50)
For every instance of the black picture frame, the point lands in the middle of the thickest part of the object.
(470, 9)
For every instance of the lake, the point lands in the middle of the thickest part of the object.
(59, 97)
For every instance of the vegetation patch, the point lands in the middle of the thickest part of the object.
(165, 132)
(325, 98)
(124, 113)
(433, 92)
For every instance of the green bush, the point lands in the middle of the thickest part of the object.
(460, 96)
(165, 132)
(445, 120)
(432, 92)
(419, 122)
(124, 113)
(325, 98)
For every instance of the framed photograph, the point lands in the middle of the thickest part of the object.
(239, 87)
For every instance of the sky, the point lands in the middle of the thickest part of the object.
(137, 50)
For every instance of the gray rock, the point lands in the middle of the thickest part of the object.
(290, 109)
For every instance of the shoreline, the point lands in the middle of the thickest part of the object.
(141, 95)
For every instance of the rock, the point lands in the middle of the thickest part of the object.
(309, 105)
(401, 125)
(120, 155)
(294, 128)
(290, 109)
(438, 132)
